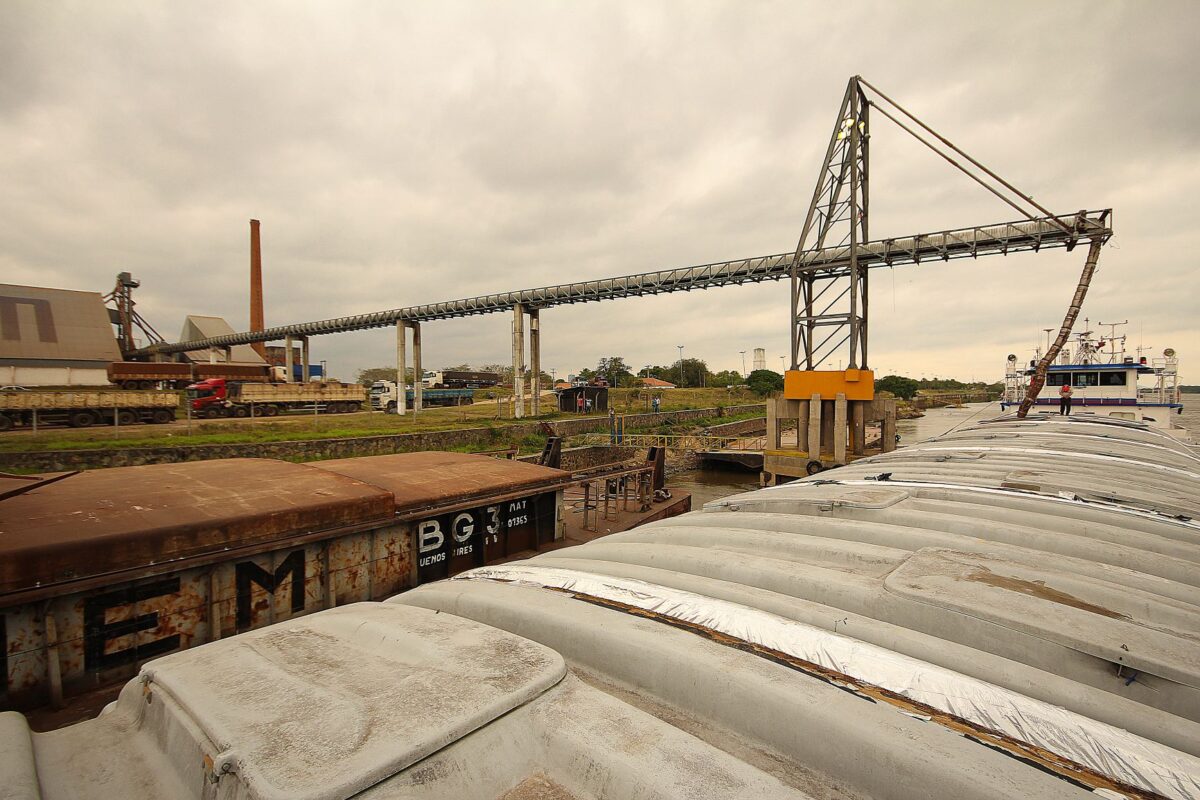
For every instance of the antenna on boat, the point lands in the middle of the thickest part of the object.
(1113, 358)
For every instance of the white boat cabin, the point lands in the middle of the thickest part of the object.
(1104, 383)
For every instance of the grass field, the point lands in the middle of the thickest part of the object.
(301, 426)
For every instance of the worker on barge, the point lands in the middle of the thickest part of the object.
(1064, 399)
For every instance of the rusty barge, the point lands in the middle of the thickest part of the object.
(104, 570)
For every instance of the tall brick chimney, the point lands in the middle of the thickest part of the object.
(256, 287)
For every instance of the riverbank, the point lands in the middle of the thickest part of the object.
(526, 436)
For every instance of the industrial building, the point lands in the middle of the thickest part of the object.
(63, 337)
(54, 337)
(196, 326)
(1007, 611)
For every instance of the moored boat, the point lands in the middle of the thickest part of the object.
(1105, 383)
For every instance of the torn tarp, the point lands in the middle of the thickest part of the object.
(1098, 746)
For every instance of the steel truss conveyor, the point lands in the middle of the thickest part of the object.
(1027, 235)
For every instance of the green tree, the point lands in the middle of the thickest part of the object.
(695, 373)
(898, 385)
(763, 382)
(503, 370)
(368, 376)
(727, 378)
(615, 370)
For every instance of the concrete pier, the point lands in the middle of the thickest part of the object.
(518, 346)
(418, 370)
(401, 368)
(535, 358)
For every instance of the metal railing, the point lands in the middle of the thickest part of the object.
(602, 496)
(681, 441)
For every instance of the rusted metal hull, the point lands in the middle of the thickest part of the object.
(197, 552)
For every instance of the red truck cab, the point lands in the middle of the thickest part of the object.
(207, 395)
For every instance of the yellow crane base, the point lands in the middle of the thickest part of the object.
(855, 384)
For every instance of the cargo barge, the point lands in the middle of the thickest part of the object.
(104, 570)
(1009, 610)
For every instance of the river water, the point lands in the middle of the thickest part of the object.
(714, 483)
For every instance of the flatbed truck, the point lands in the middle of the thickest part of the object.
(219, 397)
(84, 408)
(176, 375)
(385, 398)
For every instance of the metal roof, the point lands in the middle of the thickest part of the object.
(1009, 610)
(426, 479)
(54, 325)
(198, 326)
(108, 521)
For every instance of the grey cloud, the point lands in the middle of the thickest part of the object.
(400, 154)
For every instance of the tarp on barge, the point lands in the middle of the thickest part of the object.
(1009, 610)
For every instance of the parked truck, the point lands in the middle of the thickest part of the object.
(385, 398)
(176, 375)
(218, 397)
(83, 408)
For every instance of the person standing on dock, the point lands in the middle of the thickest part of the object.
(1064, 400)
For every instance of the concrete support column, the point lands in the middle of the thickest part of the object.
(417, 371)
(401, 368)
(858, 426)
(535, 357)
(304, 362)
(814, 427)
(802, 424)
(773, 427)
(839, 428)
(827, 414)
(888, 429)
(288, 360)
(518, 348)
(212, 355)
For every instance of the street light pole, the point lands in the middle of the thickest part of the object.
(681, 380)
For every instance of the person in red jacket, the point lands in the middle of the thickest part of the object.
(1064, 400)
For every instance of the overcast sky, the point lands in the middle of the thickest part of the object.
(403, 153)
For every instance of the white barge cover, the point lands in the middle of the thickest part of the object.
(1010, 610)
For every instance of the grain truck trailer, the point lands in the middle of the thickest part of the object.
(80, 409)
(174, 375)
(461, 379)
(218, 397)
(385, 398)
